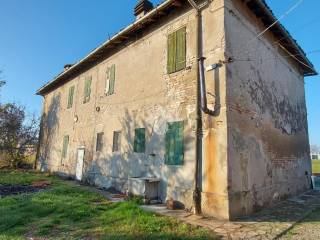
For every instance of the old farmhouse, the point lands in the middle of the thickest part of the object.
(200, 102)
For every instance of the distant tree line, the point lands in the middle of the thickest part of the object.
(315, 149)
(18, 134)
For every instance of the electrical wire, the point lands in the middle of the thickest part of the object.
(274, 58)
(291, 9)
(286, 50)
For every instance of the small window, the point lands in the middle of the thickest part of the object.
(140, 140)
(99, 144)
(87, 89)
(70, 97)
(174, 144)
(65, 146)
(177, 51)
(116, 141)
(110, 80)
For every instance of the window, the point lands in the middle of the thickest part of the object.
(110, 80)
(140, 140)
(87, 89)
(65, 146)
(177, 51)
(99, 144)
(116, 141)
(70, 97)
(174, 144)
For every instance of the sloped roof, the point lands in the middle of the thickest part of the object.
(258, 7)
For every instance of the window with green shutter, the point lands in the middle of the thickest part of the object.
(110, 79)
(177, 51)
(70, 97)
(140, 140)
(87, 89)
(116, 141)
(65, 146)
(174, 142)
(99, 143)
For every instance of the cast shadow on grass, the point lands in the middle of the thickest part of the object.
(68, 212)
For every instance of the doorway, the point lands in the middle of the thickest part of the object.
(79, 167)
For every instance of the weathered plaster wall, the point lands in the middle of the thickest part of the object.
(146, 96)
(214, 168)
(268, 148)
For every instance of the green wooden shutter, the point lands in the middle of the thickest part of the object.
(170, 144)
(167, 144)
(112, 78)
(116, 141)
(111, 75)
(174, 144)
(107, 89)
(140, 140)
(87, 90)
(181, 49)
(179, 143)
(99, 143)
(171, 67)
(65, 146)
(70, 98)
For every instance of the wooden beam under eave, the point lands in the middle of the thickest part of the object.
(151, 20)
(117, 41)
(161, 13)
(177, 4)
(124, 37)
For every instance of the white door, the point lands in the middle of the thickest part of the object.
(80, 157)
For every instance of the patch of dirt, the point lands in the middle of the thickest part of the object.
(113, 190)
(9, 189)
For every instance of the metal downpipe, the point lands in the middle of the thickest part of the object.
(198, 162)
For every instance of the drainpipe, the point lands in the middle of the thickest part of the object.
(198, 171)
(201, 106)
(203, 91)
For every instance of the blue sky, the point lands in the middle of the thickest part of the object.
(37, 37)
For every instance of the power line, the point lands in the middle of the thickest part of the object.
(291, 9)
(262, 59)
(300, 28)
(286, 50)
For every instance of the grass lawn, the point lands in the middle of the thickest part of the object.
(316, 166)
(67, 211)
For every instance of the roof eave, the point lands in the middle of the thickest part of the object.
(41, 91)
(308, 71)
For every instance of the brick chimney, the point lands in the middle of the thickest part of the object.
(67, 66)
(142, 7)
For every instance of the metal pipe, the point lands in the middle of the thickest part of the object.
(203, 91)
(201, 106)
(198, 162)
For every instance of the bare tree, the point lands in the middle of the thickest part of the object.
(18, 135)
(2, 82)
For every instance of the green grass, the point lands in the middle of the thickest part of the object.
(316, 166)
(67, 211)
